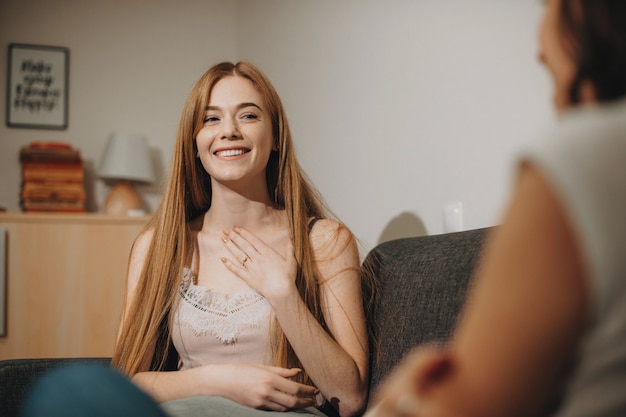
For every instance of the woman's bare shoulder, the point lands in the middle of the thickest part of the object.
(138, 255)
(330, 236)
(142, 242)
(327, 228)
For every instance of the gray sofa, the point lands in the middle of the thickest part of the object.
(422, 286)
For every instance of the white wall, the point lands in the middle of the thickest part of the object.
(400, 107)
(397, 107)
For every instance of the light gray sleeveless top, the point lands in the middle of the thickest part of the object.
(584, 158)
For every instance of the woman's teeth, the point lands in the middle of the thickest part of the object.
(231, 152)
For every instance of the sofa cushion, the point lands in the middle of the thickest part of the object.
(422, 284)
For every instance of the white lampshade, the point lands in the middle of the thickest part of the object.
(126, 157)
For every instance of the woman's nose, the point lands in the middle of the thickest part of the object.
(230, 129)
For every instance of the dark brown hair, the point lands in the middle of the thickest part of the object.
(595, 36)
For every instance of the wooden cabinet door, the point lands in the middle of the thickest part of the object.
(66, 276)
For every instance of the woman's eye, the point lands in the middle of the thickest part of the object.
(210, 119)
(249, 116)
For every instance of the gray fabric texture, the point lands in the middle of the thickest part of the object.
(422, 283)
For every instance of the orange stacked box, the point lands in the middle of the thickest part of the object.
(52, 178)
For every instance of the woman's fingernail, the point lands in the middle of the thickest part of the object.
(223, 260)
(226, 231)
(224, 239)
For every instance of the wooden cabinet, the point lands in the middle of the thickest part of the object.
(66, 276)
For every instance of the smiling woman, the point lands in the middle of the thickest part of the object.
(236, 141)
(250, 294)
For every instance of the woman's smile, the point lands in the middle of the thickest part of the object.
(231, 152)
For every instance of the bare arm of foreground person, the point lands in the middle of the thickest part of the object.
(256, 386)
(521, 324)
(338, 367)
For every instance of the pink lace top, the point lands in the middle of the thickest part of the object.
(212, 328)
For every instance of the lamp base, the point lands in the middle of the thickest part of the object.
(122, 198)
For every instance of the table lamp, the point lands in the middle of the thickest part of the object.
(126, 160)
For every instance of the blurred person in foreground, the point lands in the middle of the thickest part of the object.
(544, 329)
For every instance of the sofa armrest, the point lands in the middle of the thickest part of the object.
(18, 375)
(422, 285)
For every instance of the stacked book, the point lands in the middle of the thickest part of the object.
(52, 178)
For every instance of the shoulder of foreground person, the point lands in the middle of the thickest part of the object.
(581, 158)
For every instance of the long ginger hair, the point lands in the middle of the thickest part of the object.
(145, 341)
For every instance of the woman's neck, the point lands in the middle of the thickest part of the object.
(230, 208)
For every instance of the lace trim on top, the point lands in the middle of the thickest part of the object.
(208, 312)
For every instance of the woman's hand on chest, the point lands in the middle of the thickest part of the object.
(268, 268)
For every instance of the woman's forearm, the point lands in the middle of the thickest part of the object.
(173, 385)
(333, 370)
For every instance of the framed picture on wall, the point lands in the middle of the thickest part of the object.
(37, 86)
